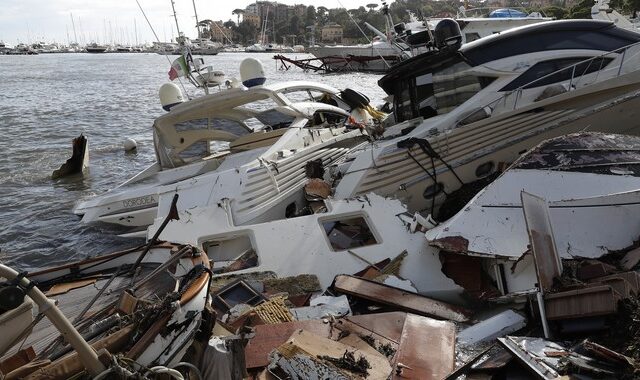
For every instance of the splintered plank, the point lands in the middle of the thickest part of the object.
(426, 350)
(398, 298)
(318, 346)
(268, 337)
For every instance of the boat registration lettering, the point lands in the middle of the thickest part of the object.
(140, 201)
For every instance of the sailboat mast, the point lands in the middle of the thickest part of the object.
(73, 24)
(196, 14)
(173, 6)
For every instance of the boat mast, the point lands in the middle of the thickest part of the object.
(196, 13)
(173, 6)
(73, 24)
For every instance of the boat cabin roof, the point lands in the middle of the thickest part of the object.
(588, 152)
(543, 36)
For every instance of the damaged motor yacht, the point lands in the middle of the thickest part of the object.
(465, 113)
(592, 186)
(344, 236)
(246, 144)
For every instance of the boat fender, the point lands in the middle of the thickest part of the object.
(170, 95)
(130, 144)
(252, 72)
(353, 98)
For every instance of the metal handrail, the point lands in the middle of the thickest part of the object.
(518, 91)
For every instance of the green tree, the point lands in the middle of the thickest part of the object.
(311, 15)
(558, 12)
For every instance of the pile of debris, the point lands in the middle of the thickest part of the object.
(358, 328)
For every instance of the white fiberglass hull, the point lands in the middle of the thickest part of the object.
(612, 106)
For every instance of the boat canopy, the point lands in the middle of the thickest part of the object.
(203, 126)
(507, 13)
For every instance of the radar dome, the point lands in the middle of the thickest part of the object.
(447, 34)
(170, 95)
(252, 72)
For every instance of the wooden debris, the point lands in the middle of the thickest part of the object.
(587, 302)
(426, 350)
(58, 289)
(400, 299)
(273, 311)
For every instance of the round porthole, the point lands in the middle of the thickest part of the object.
(485, 169)
(433, 190)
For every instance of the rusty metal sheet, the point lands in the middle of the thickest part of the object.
(268, 337)
(384, 328)
(587, 302)
(426, 350)
(545, 253)
(398, 298)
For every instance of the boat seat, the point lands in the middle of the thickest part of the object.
(256, 140)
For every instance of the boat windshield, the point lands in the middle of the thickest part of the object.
(435, 92)
(203, 137)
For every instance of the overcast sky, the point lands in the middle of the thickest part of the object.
(97, 20)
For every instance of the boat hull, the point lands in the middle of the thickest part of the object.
(610, 107)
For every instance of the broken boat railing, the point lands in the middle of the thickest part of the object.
(573, 80)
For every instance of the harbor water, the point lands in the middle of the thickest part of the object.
(47, 100)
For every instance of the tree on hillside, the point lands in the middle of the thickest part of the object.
(311, 15)
(372, 6)
(238, 12)
(322, 15)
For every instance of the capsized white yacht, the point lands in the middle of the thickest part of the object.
(404, 40)
(465, 114)
(248, 146)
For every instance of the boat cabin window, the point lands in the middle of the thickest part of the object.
(275, 119)
(436, 93)
(512, 44)
(325, 119)
(471, 37)
(350, 232)
(541, 69)
(230, 253)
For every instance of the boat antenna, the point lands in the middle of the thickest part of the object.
(365, 35)
(158, 39)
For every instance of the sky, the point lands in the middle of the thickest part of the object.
(101, 21)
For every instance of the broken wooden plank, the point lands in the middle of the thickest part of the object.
(268, 337)
(633, 278)
(403, 300)
(58, 289)
(426, 350)
(587, 302)
(319, 346)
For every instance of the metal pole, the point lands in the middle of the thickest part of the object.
(543, 315)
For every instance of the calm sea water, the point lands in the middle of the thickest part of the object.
(47, 100)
